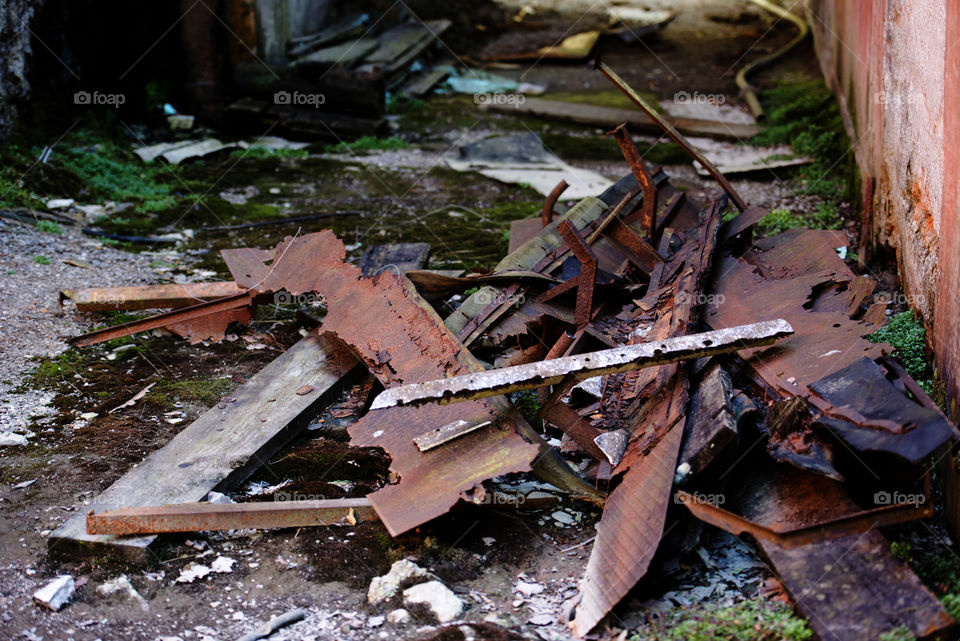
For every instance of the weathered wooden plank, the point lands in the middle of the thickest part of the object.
(421, 85)
(610, 117)
(222, 447)
(711, 426)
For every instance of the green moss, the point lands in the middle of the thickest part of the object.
(41, 260)
(48, 372)
(906, 333)
(753, 620)
(49, 227)
(527, 404)
(606, 98)
(899, 634)
(201, 390)
(367, 144)
(260, 152)
(780, 220)
(805, 115)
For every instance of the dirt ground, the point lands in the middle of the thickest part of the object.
(481, 552)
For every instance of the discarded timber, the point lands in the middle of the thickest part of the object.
(223, 447)
(208, 517)
(582, 366)
(711, 425)
(94, 299)
(610, 117)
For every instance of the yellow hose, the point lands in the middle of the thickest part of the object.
(749, 91)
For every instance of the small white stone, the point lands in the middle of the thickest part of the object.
(193, 571)
(562, 517)
(398, 616)
(443, 603)
(375, 622)
(55, 594)
(528, 589)
(222, 565)
(383, 588)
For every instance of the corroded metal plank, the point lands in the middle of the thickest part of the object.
(209, 517)
(583, 366)
(92, 299)
(446, 433)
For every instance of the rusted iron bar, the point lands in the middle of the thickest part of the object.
(582, 366)
(836, 528)
(176, 317)
(614, 214)
(675, 135)
(207, 517)
(587, 278)
(546, 216)
(637, 250)
(95, 299)
(629, 151)
(573, 425)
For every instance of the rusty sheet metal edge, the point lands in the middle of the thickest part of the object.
(582, 366)
(208, 517)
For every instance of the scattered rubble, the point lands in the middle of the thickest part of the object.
(402, 574)
(438, 598)
(56, 594)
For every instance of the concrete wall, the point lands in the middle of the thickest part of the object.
(892, 64)
(15, 17)
(280, 20)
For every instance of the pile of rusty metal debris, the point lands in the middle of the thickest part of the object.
(663, 342)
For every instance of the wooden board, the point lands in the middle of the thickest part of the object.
(423, 84)
(222, 447)
(610, 117)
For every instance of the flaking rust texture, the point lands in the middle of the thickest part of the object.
(400, 339)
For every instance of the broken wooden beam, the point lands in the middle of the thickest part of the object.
(209, 517)
(579, 367)
(224, 446)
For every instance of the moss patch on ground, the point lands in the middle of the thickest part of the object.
(905, 331)
(752, 620)
(825, 216)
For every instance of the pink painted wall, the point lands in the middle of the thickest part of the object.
(892, 64)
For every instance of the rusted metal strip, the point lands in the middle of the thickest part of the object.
(177, 317)
(94, 299)
(629, 150)
(846, 525)
(446, 433)
(675, 135)
(546, 216)
(208, 517)
(637, 250)
(582, 366)
(587, 279)
(574, 426)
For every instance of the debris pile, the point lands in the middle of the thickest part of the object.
(663, 344)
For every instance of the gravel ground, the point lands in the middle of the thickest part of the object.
(32, 323)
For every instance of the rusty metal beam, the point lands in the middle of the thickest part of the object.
(829, 529)
(177, 317)
(546, 216)
(207, 517)
(582, 366)
(94, 299)
(648, 219)
(675, 135)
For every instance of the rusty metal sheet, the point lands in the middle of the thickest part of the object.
(400, 339)
(633, 517)
(850, 588)
(580, 367)
(197, 322)
(93, 299)
(797, 252)
(208, 517)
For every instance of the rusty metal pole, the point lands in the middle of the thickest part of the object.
(629, 150)
(546, 216)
